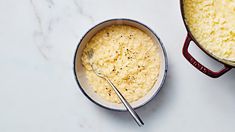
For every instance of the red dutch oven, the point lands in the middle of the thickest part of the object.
(214, 74)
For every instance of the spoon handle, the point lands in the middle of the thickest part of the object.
(126, 104)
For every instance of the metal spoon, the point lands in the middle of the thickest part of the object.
(124, 101)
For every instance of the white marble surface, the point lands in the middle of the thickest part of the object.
(38, 92)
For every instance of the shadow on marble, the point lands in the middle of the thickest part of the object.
(229, 78)
(162, 101)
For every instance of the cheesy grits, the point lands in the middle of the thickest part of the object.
(128, 57)
(212, 23)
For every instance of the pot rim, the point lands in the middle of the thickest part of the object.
(195, 41)
(165, 62)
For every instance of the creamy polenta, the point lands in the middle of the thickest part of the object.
(128, 57)
(212, 23)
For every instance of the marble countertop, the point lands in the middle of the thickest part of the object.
(38, 91)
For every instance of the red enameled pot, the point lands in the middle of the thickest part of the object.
(193, 61)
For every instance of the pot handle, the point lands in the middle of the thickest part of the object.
(198, 65)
